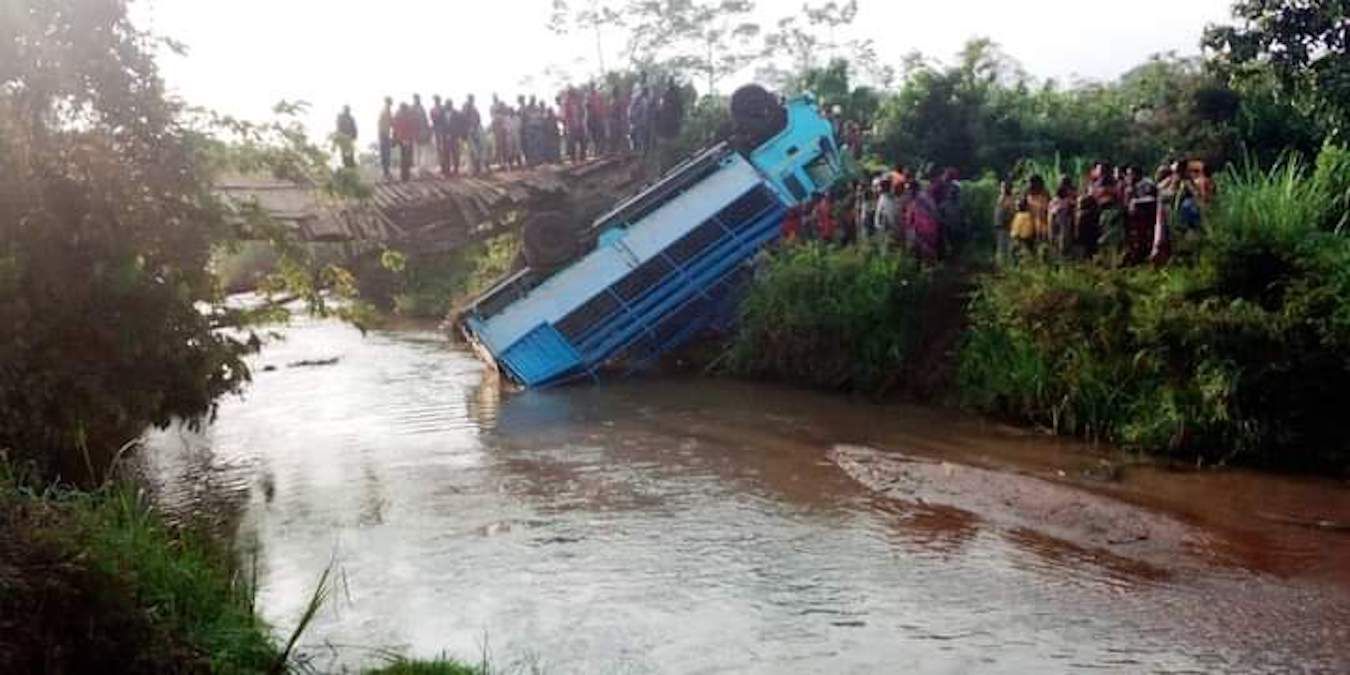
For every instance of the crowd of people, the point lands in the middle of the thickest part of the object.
(895, 207)
(1118, 216)
(580, 123)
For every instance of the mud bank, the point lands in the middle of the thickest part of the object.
(1022, 505)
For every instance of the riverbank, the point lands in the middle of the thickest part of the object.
(1237, 352)
(97, 581)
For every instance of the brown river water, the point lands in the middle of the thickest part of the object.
(697, 525)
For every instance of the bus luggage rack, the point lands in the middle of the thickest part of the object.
(505, 293)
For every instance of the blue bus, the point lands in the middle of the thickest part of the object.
(666, 262)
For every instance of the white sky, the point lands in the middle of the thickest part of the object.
(245, 55)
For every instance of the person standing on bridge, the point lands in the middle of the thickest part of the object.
(454, 134)
(439, 135)
(497, 114)
(473, 131)
(552, 138)
(637, 118)
(426, 152)
(405, 134)
(618, 120)
(345, 137)
(574, 126)
(385, 130)
(887, 211)
(597, 115)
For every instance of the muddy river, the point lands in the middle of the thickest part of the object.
(709, 526)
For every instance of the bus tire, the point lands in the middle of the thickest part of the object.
(548, 241)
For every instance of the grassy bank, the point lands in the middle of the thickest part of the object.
(1238, 352)
(95, 581)
(830, 317)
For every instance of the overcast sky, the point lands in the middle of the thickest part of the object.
(245, 55)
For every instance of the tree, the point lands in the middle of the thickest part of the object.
(106, 226)
(707, 38)
(592, 16)
(1302, 44)
(801, 42)
(110, 319)
(832, 85)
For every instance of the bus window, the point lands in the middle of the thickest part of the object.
(794, 186)
(821, 172)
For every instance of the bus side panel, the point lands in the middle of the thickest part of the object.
(541, 356)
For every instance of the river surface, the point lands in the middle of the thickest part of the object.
(695, 525)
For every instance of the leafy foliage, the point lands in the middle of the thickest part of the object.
(110, 316)
(709, 39)
(984, 113)
(431, 285)
(1302, 44)
(106, 226)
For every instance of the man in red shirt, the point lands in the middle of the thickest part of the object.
(790, 229)
(597, 114)
(405, 136)
(826, 225)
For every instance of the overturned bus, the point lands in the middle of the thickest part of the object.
(666, 263)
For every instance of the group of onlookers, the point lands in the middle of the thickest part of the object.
(1118, 216)
(895, 207)
(586, 122)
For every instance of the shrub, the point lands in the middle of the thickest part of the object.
(843, 318)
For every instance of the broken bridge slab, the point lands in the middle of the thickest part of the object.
(434, 212)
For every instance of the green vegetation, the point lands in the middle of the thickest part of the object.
(431, 286)
(95, 582)
(832, 317)
(110, 318)
(1240, 353)
(434, 667)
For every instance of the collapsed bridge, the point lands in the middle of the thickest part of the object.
(436, 215)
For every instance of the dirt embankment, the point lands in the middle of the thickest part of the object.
(1019, 505)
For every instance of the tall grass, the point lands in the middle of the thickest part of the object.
(432, 667)
(843, 318)
(95, 581)
(1240, 353)
(1052, 169)
(978, 198)
(107, 582)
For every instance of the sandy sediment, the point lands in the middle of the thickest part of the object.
(1021, 505)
